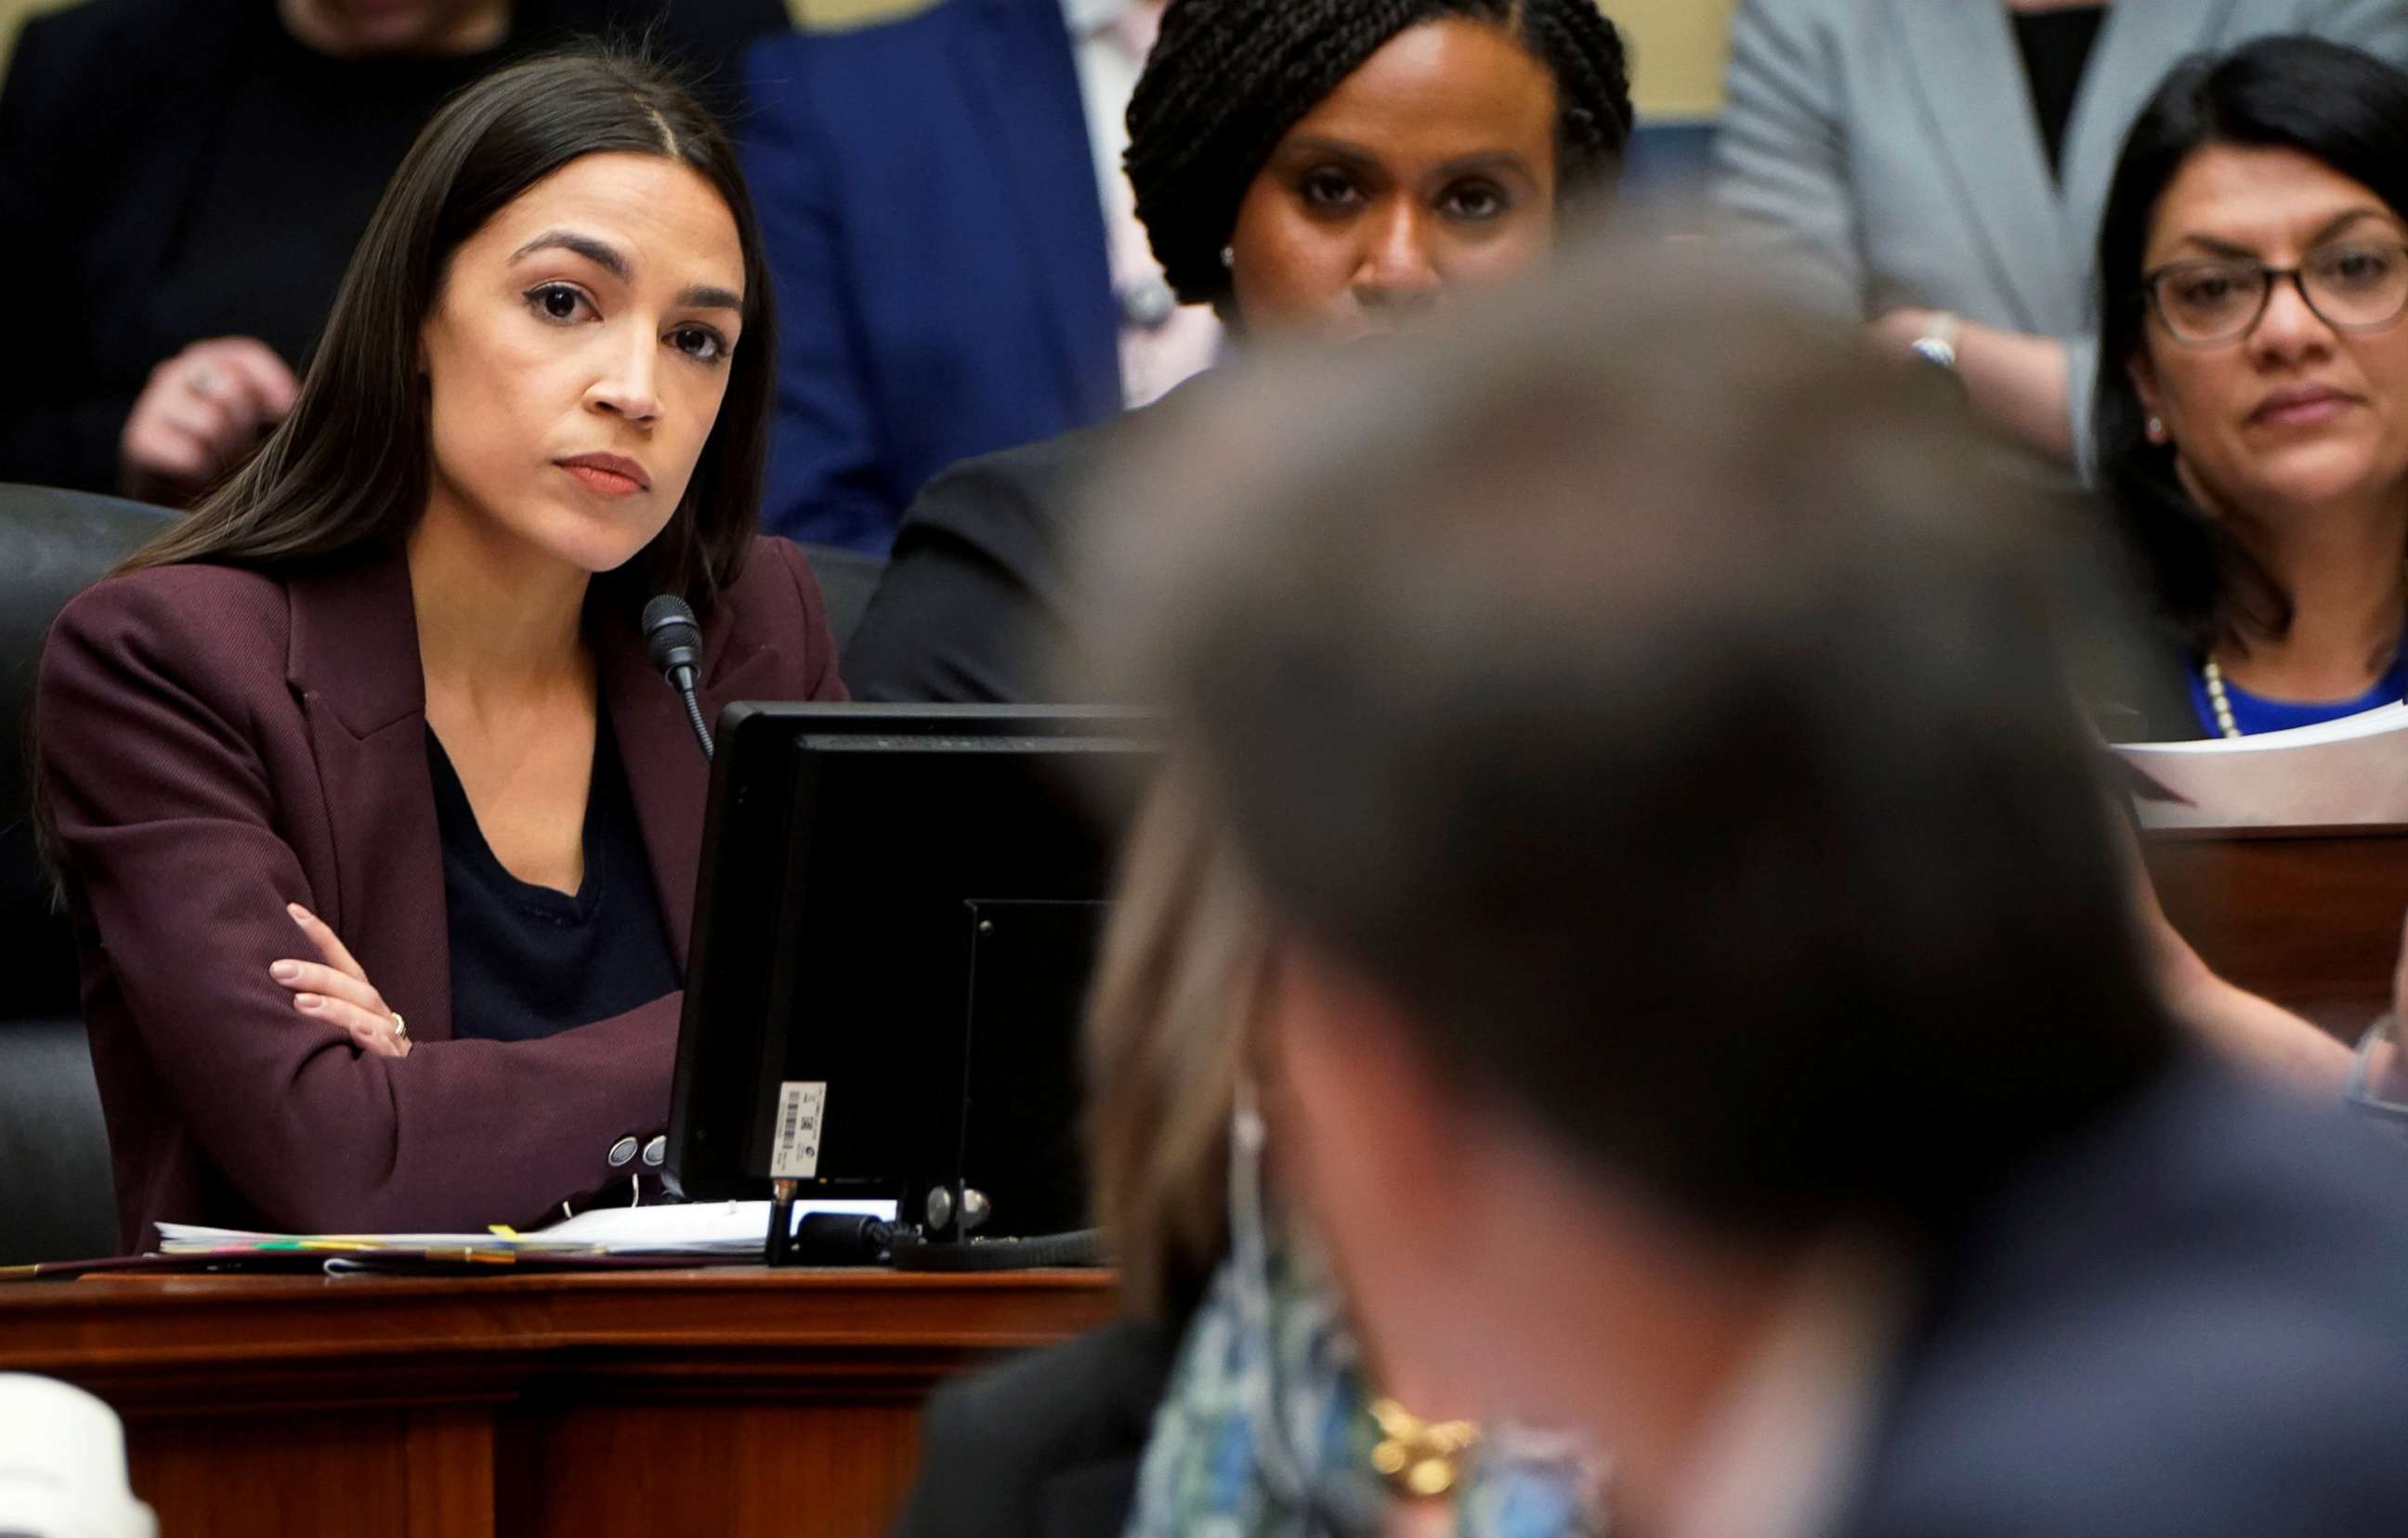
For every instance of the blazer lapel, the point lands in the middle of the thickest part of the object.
(667, 775)
(1023, 84)
(352, 662)
(2134, 46)
(1971, 79)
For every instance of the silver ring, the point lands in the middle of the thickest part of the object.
(399, 1029)
(203, 381)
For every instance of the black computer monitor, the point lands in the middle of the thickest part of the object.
(898, 912)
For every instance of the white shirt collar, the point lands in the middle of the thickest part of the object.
(1086, 18)
(1780, 1455)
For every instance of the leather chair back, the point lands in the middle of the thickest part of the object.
(56, 1201)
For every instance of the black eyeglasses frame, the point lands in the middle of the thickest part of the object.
(2153, 280)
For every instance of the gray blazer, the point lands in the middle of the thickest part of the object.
(1890, 147)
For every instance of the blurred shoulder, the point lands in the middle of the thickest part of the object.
(1025, 497)
(897, 40)
(999, 1446)
(2193, 1322)
(1839, 16)
(95, 33)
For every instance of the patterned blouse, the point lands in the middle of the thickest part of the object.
(1265, 1431)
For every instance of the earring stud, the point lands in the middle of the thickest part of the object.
(1229, 259)
(2157, 430)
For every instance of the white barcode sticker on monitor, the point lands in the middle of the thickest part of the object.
(795, 1153)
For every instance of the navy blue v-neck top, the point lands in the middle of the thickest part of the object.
(528, 961)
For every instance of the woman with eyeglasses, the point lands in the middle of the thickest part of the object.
(2252, 403)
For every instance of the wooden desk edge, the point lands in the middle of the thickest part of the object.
(178, 1324)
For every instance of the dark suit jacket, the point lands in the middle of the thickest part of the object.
(927, 197)
(980, 602)
(2191, 1321)
(112, 121)
(216, 744)
(1046, 1445)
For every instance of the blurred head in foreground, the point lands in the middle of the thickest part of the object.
(1682, 847)
(1177, 992)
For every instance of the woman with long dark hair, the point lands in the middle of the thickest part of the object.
(2252, 401)
(378, 830)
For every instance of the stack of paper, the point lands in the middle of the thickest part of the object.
(2347, 773)
(705, 1228)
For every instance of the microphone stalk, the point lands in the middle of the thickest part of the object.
(674, 643)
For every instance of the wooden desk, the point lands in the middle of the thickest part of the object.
(654, 1403)
(2311, 920)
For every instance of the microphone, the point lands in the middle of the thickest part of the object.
(674, 643)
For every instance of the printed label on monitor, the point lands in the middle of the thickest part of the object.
(794, 1155)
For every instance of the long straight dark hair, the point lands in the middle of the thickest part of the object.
(2334, 104)
(347, 472)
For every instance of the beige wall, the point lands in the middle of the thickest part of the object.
(1677, 44)
(1677, 52)
(13, 14)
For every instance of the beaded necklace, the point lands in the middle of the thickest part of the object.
(2213, 676)
(2218, 702)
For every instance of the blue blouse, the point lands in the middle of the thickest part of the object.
(2254, 713)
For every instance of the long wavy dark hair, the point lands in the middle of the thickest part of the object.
(347, 472)
(2336, 104)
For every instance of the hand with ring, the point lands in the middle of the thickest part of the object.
(337, 990)
(200, 413)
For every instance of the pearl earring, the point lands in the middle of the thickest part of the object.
(2157, 430)
(1229, 259)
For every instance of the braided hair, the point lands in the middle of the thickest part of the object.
(1228, 78)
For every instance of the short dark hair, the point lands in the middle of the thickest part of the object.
(1227, 78)
(347, 470)
(2334, 104)
(1658, 701)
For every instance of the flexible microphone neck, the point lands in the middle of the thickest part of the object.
(674, 643)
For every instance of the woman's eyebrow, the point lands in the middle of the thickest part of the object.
(1305, 144)
(2341, 221)
(1496, 161)
(608, 258)
(600, 252)
(704, 296)
(2325, 232)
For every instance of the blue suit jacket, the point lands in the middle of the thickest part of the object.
(928, 199)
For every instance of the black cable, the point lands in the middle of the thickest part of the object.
(693, 714)
(1038, 1252)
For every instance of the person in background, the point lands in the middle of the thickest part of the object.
(183, 181)
(1703, 975)
(1936, 169)
(1315, 171)
(377, 828)
(960, 268)
(1232, 1397)
(2252, 400)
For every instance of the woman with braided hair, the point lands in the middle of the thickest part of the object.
(1320, 170)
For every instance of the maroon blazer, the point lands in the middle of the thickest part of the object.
(215, 744)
